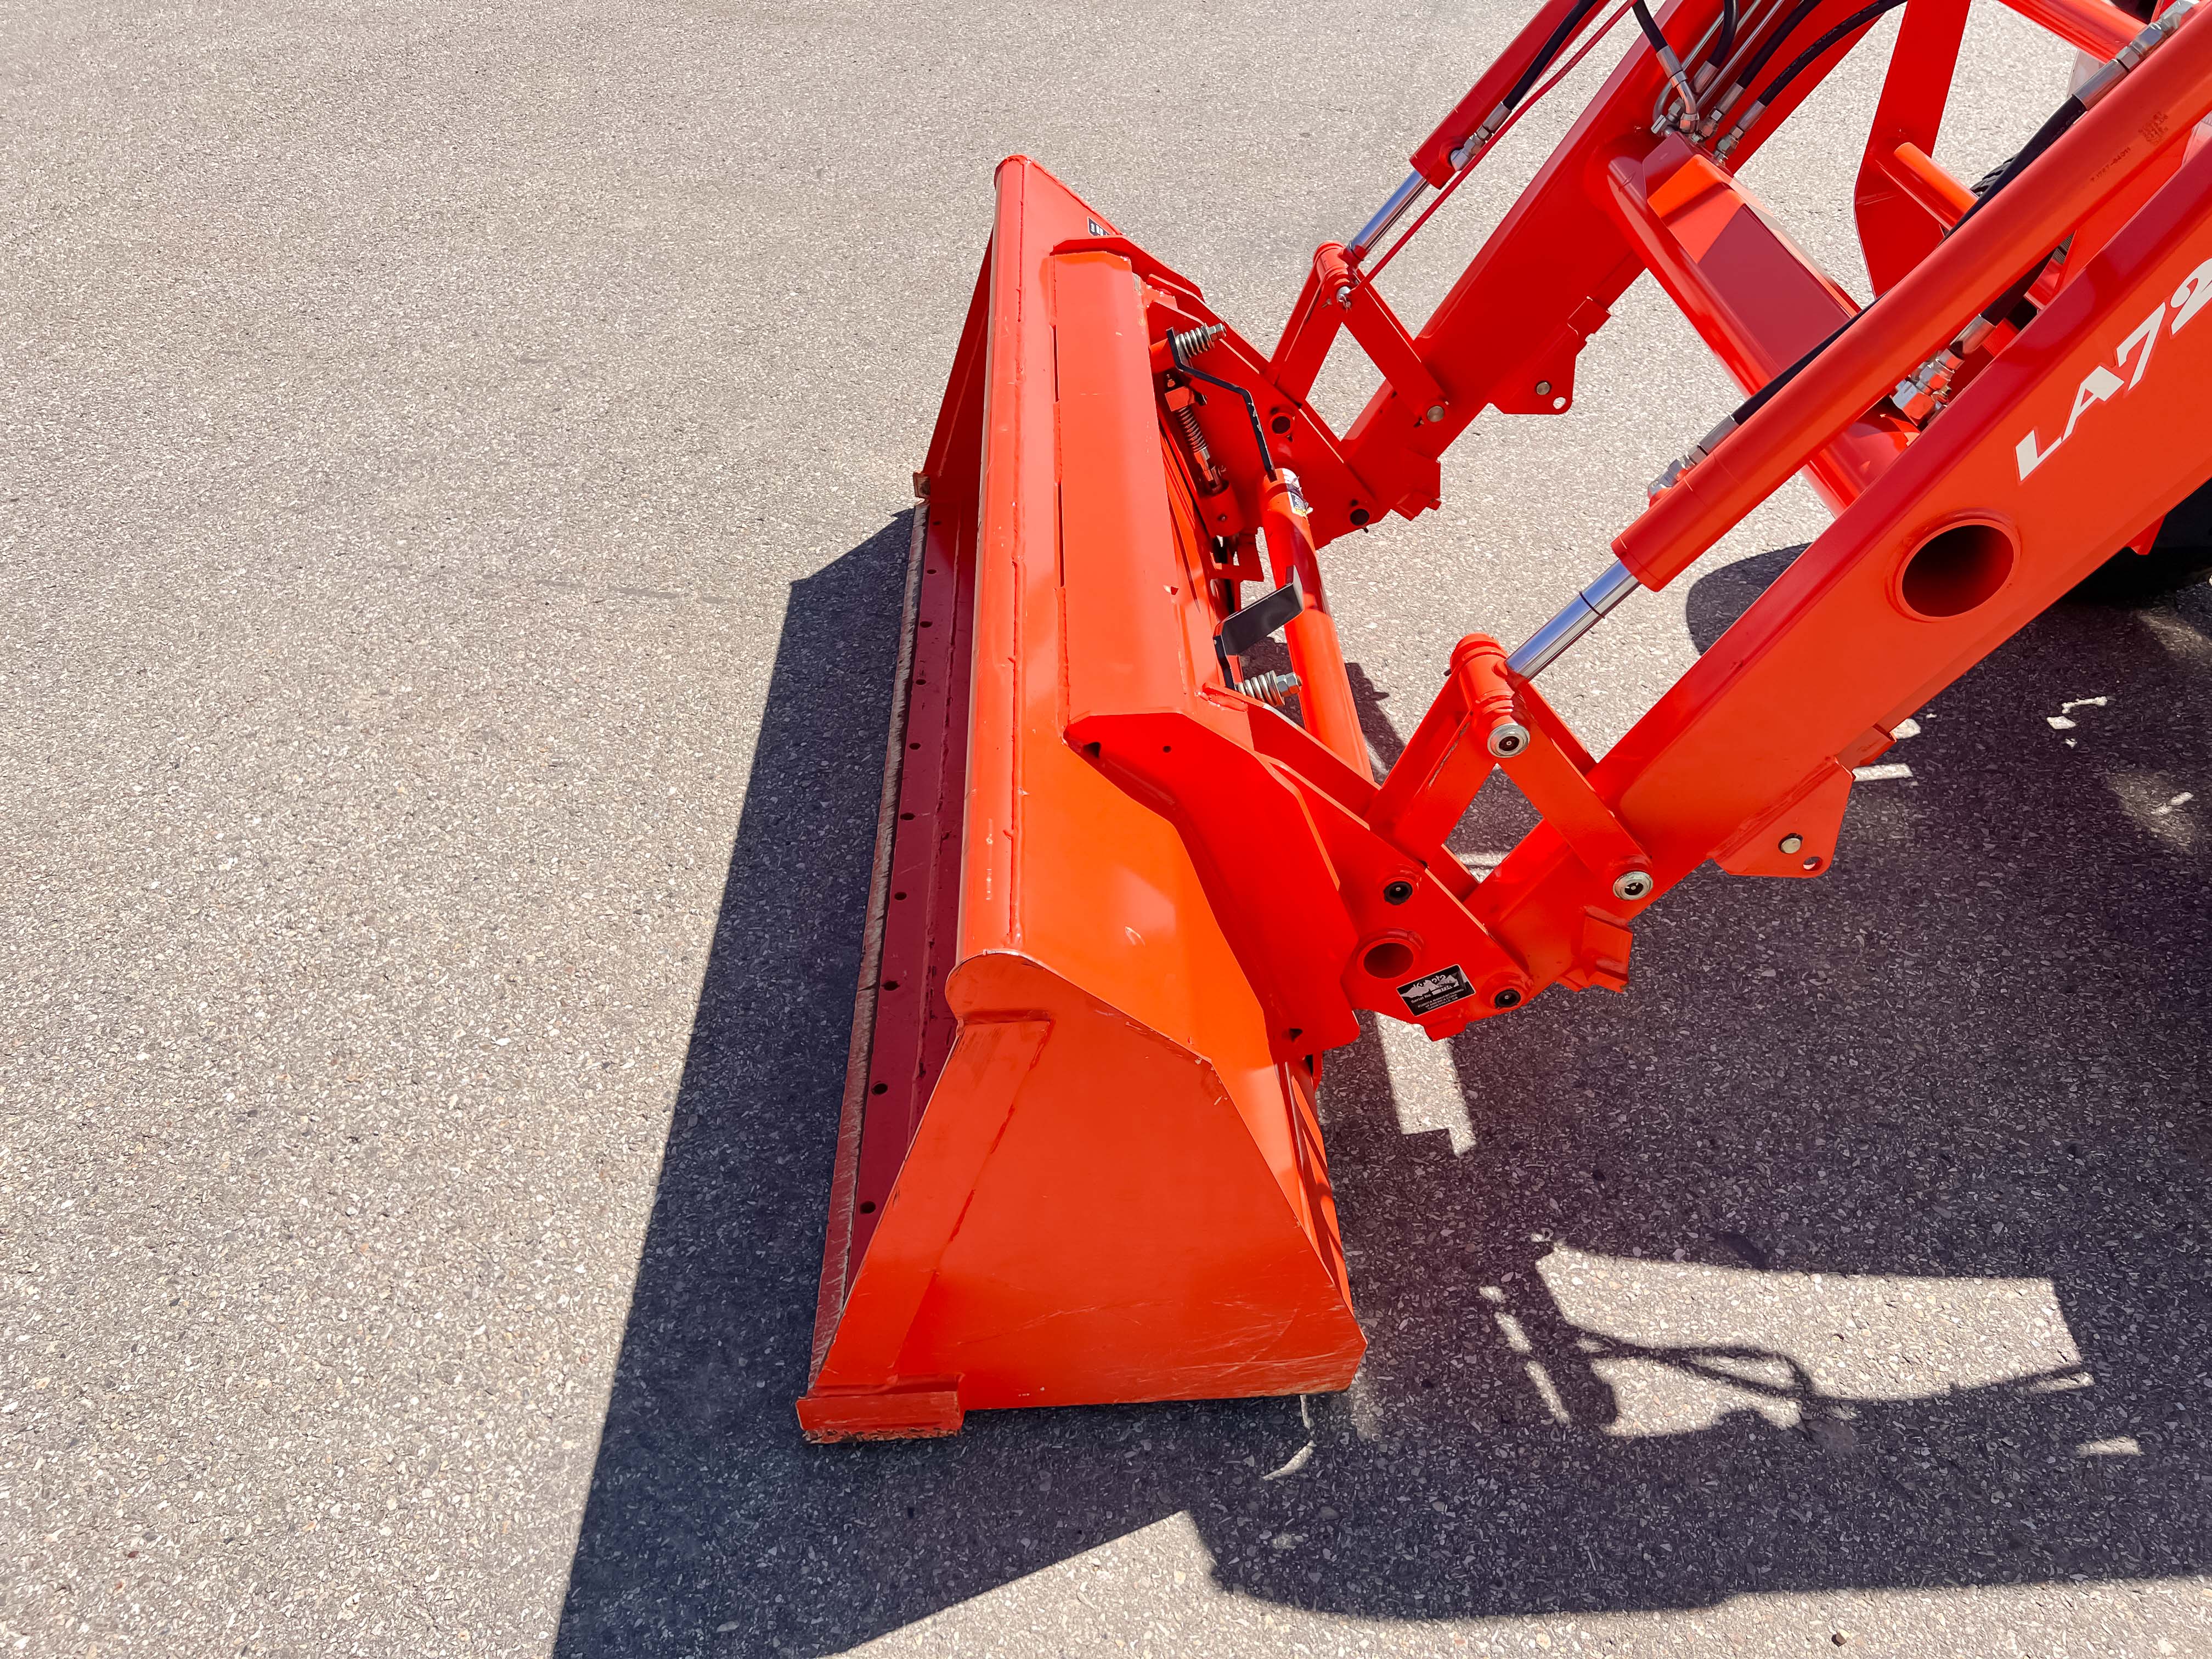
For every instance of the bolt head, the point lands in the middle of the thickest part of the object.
(1435, 413)
(1344, 295)
(1397, 892)
(1508, 738)
(1543, 388)
(1635, 885)
(1791, 843)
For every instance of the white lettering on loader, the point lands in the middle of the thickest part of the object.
(2101, 385)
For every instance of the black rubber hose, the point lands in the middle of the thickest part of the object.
(1726, 44)
(2008, 306)
(1751, 406)
(1774, 41)
(1999, 309)
(1652, 32)
(1804, 60)
(2045, 136)
(1542, 60)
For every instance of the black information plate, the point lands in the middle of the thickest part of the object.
(1430, 992)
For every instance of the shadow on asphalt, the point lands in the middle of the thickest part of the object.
(1977, 1057)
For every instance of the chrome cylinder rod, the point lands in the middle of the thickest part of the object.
(1402, 199)
(1582, 614)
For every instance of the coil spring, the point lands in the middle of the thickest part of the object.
(1189, 342)
(1201, 458)
(1272, 688)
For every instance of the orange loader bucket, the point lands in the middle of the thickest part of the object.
(1078, 1160)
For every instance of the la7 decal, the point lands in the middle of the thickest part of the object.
(2101, 384)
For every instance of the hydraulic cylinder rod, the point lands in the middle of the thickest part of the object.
(1582, 613)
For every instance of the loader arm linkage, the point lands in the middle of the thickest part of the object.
(1124, 899)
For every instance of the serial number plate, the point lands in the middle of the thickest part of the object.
(1430, 992)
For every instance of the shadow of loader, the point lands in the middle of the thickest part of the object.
(1976, 1055)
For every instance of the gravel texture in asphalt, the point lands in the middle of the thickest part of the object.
(455, 466)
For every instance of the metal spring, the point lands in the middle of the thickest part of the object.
(1200, 457)
(1189, 342)
(1272, 688)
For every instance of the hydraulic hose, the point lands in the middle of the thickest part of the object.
(1542, 60)
(1726, 44)
(1758, 60)
(2077, 105)
(1652, 32)
(2003, 308)
(2045, 136)
(1665, 53)
(1751, 406)
(1804, 60)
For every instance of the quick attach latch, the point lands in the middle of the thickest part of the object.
(1268, 614)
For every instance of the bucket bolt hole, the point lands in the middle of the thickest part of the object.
(1397, 892)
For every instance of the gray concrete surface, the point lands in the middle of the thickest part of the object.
(454, 465)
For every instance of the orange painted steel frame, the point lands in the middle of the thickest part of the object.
(1121, 909)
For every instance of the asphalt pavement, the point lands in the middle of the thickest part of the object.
(455, 466)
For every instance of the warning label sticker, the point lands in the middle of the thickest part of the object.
(1432, 991)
